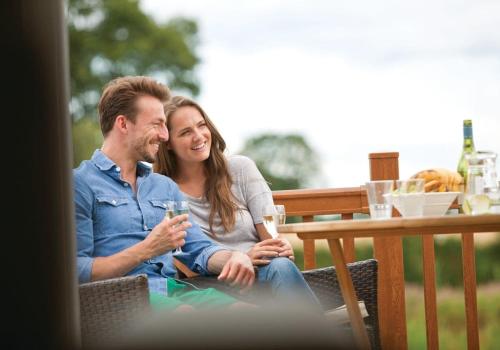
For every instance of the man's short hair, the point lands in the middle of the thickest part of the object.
(119, 97)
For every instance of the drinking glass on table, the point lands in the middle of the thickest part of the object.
(379, 198)
(476, 199)
(175, 208)
(482, 194)
(273, 216)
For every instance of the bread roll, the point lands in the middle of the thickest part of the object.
(440, 180)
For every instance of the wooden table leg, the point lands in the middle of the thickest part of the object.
(349, 295)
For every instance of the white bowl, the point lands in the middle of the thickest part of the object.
(438, 203)
(434, 203)
(408, 204)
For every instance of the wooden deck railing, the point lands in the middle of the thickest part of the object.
(389, 253)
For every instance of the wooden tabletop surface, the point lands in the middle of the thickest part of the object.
(400, 226)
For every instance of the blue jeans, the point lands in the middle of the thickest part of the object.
(287, 283)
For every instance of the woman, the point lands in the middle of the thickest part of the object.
(226, 196)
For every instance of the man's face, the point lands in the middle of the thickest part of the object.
(149, 129)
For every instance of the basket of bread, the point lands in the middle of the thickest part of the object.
(442, 187)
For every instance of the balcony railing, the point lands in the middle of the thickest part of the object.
(389, 253)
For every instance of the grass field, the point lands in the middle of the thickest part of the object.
(451, 317)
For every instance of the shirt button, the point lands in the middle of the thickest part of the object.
(113, 201)
(125, 184)
(145, 227)
(117, 169)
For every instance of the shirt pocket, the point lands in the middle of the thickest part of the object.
(112, 215)
(158, 210)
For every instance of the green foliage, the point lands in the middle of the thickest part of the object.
(451, 318)
(448, 254)
(114, 38)
(87, 137)
(285, 161)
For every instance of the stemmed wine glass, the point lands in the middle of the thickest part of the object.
(281, 214)
(274, 215)
(175, 208)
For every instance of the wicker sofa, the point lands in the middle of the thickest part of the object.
(108, 307)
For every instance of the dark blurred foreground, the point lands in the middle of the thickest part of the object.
(260, 328)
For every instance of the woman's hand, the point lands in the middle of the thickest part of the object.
(262, 252)
(286, 249)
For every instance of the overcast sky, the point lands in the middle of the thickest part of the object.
(353, 77)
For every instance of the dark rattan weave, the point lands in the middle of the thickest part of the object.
(364, 278)
(108, 307)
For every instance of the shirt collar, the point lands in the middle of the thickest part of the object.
(104, 163)
(144, 169)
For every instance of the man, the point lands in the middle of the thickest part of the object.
(120, 203)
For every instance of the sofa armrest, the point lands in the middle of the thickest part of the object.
(109, 307)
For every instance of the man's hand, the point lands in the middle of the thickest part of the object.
(238, 270)
(167, 235)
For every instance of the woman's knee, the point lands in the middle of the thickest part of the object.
(283, 264)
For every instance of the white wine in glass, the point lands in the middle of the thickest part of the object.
(173, 209)
(182, 208)
(281, 214)
(170, 212)
(274, 215)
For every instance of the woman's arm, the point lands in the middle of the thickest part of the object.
(262, 232)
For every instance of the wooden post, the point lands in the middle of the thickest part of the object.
(469, 271)
(348, 243)
(389, 253)
(429, 269)
(309, 248)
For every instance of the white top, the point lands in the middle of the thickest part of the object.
(252, 194)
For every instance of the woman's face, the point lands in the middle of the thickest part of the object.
(190, 138)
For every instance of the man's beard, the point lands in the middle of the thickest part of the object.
(141, 149)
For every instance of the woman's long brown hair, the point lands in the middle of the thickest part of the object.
(218, 180)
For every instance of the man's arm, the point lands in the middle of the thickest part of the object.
(167, 235)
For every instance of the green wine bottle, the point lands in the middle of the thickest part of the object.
(467, 148)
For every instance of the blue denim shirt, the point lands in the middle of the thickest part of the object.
(111, 218)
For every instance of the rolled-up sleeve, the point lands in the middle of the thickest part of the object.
(201, 261)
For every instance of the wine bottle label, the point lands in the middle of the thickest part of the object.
(467, 132)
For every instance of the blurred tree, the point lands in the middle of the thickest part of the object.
(87, 137)
(286, 161)
(111, 38)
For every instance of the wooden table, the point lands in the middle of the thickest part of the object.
(333, 231)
